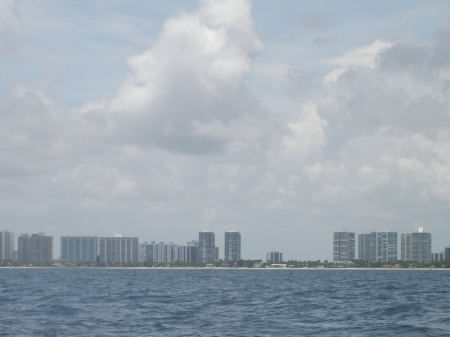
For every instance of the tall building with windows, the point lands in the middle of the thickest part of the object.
(343, 246)
(148, 252)
(191, 252)
(364, 245)
(447, 253)
(378, 246)
(37, 248)
(385, 246)
(80, 248)
(232, 245)
(168, 252)
(24, 248)
(437, 256)
(118, 249)
(274, 256)
(206, 247)
(216, 253)
(6, 245)
(416, 246)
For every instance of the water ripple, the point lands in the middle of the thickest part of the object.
(126, 302)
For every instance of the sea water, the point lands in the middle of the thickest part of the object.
(214, 302)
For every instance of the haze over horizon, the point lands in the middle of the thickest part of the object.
(285, 121)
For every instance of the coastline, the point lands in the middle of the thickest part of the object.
(229, 268)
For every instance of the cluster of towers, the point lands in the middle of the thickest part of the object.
(90, 248)
(203, 250)
(35, 248)
(118, 249)
(381, 246)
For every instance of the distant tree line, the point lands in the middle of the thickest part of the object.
(239, 264)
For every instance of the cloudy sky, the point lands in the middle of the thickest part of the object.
(283, 120)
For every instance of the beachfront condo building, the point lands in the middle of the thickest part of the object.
(343, 246)
(37, 248)
(6, 245)
(274, 256)
(416, 246)
(364, 245)
(378, 246)
(206, 247)
(232, 245)
(169, 252)
(118, 249)
(80, 248)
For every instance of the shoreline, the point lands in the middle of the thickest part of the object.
(228, 268)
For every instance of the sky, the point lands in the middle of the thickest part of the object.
(283, 120)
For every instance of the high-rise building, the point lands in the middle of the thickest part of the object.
(437, 256)
(149, 252)
(232, 245)
(24, 248)
(447, 253)
(274, 256)
(6, 245)
(343, 246)
(169, 252)
(80, 248)
(216, 253)
(191, 252)
(378, 246)
(364, 245)
(206, 247)
(37, 248)
(416, 246)
(119, 249)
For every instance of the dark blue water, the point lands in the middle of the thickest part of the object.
(124, 302)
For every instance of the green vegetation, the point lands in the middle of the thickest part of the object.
(239, 264)
(11, 263)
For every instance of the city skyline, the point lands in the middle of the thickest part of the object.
(375, 246)
(286, 120)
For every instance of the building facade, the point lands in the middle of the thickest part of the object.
(119, 249)
(80, 248)
(274, 256)
(447, 253)
(206, 247)
(437, 256)
(169, 252)
(6, 245)
(378, 246)
(232, 246)
(416, 246)
(364, 246)
(191, 252)
(37, 248)
(343, 246)
(148, 252)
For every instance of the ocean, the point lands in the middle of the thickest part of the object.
(213, 302)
